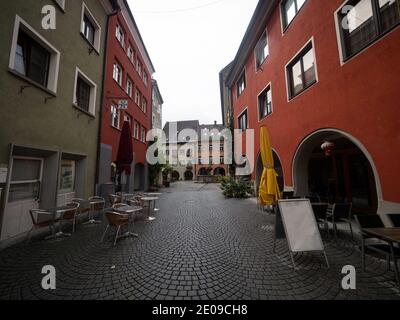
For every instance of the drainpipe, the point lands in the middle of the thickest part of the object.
(102, 97)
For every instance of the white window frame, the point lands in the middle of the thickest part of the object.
(258, 68)
(93, 91)
(240, 115)
(97, 33)
(290, 61)
(129, 89)
(258, 102)
(115, 66)
(61, 4)
(143, 134)
(119, 32)
(139, 67)
(131, 54)
(138, 97)
(54, 64)
(145, 78)
(281, 13)
(115, 116)
(144, 105)
(136, 130)
(243, 73)
(66, 191)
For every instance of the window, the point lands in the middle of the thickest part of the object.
(136, 129)
(117, 73)
(25, 179)
(262, 50)
(143, 135)
(120, 35)
(144, 105)
(301, 71)
(145, 78)
(290, 8)
(221, 147)
(139, 67)
(127, 118)
(131, 54)
(364, 22)
(129, 87)
(115, 117)
(33, 58)
(67, 177)
(84, 93)
(90, 29)
(61, 3)
(221, 160)
(137, 97)
(242, 121)
(241, 85)
(265, 103)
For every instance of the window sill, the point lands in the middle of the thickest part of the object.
(97, 51)
(33, 83)
(115, 128)
(84, 111)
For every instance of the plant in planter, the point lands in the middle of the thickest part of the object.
(236, 188)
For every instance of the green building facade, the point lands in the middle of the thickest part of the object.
(50, 105)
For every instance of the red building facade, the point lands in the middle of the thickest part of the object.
(329, 73)
(128, 75)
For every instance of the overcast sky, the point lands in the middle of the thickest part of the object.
(189, 42)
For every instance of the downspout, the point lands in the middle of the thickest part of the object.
(103, 98)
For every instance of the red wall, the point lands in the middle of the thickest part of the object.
(111, 135)
(360, 97)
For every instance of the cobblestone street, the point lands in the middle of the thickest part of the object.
(202, 246)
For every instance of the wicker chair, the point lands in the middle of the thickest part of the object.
(119, 205)
(113, 198)
(71, 215)
(41, 219)
(118, 221)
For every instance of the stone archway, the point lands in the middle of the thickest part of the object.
(219, 172)
(175, 176)
(189, 176)
(349, 175)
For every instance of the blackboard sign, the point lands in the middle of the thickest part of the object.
(295, 222)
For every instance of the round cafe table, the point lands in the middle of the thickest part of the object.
(150, 200)
(154, 194)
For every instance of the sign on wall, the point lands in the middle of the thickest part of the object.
(123, 104)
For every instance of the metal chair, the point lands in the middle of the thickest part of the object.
(341, 213)
(113, 198)
(395, 218)
(118, 221)
(373, 221)
(119, 205)
(41, 219)
(98, 205)
(320, 213)
(71, 215)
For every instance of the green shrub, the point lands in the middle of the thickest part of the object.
(236, 188)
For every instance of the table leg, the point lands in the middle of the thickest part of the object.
(91, 218)
(150, 218)
(396, 268)
(155, 209)
(130, 233)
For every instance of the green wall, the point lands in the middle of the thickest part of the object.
(25, 119)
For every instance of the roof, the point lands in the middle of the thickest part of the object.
(255, 29)
(123, 4)
(181, 125)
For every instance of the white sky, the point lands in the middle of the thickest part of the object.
(189, 47)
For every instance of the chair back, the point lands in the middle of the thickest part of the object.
(116, 219)
(71, 213)
(369, 221)
(39, 217)
(83, 205)
(113, 198)
(99, 205)
(320, 211)
(395, 218)
(135, 203)
(342, 211)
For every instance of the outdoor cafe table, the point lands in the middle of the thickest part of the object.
(391, 236)
(129, 210)
(57, 212)
(154, 194)
(150, 200)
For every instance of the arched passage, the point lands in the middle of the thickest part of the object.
(176, 176)
(189, 175)
(278, 169)
(139, 177)
(203, 172)
(348, 175)
(220, 172)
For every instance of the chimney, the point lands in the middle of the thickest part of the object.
(215, 123)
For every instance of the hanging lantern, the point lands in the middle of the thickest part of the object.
(328, 148)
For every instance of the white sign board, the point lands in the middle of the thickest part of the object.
(123, 104)
(3, 175)
(300, 226)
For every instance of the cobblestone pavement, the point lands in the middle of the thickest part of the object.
(202, 246)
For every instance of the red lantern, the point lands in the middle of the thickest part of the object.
(328, 148)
